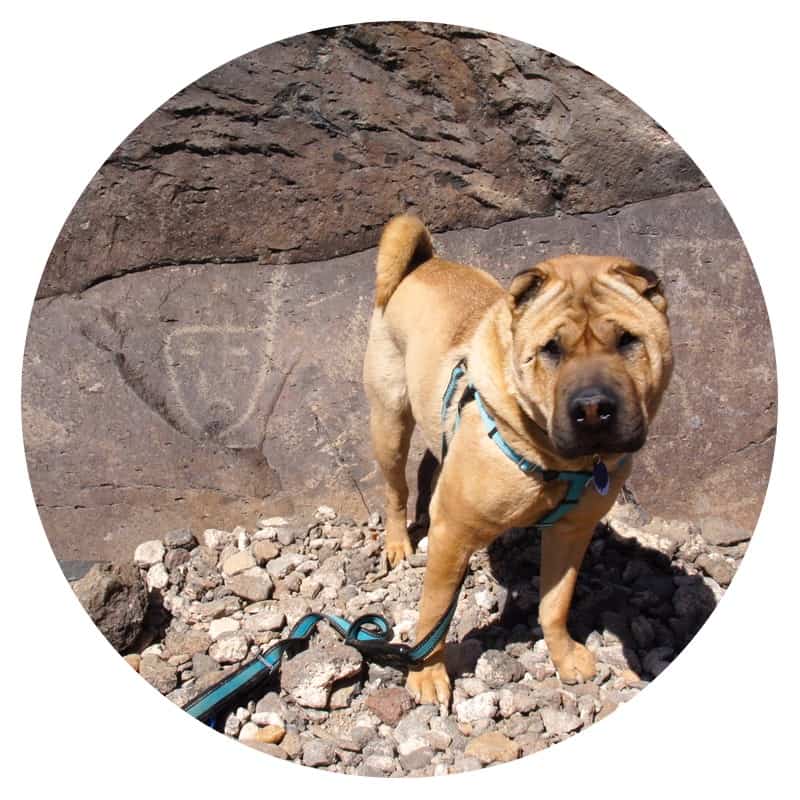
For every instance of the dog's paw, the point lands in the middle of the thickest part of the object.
(398, 548)
(430, 685)
(576, 665)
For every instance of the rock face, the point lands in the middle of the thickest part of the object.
(194, 355)
(115, 598)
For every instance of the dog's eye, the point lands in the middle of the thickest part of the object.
(626, 340)
(552, 349)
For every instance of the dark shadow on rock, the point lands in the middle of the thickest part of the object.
(634, 594)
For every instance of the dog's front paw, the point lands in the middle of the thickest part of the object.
(398, 546)
(430, 684)
(576, 664)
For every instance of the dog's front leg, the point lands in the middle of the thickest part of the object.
(563, 549)
(448, 555)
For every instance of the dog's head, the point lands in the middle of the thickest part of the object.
(591, 352)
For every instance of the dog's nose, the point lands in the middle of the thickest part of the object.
(592, 409)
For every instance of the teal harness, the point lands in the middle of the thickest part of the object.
(371, 633)
(576, 481)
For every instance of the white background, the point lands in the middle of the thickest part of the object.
(77, 77)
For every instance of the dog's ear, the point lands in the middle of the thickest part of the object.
(644, 281)
(524, 286)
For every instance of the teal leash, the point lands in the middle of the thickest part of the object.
(370, 634)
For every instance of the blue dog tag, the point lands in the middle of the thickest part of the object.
(600, 477)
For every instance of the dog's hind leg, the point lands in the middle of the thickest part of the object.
(391, 424)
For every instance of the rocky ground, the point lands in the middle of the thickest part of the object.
(201, 606)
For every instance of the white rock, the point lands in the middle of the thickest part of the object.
(229, 648)
(272, 522)
(248, 732)
(270, 534)
(482, 706)
(410, 745)
(325, 514)
(214, 538)
(242, 539)
(220, 626)
(149, 553)
(157, 576)
(281, 566)
(268, 718)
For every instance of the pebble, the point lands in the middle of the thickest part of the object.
(157, 576)
(559, 723)
(229, 648)
(223, 625)
(482, 706)
(251, 587)
(309, 676)
(390, 704)
(318, 753)
(264, 551)
(492, 747)
(149, 553)
(183, 537)
(238, 562)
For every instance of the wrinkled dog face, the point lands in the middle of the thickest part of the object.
(591, 351)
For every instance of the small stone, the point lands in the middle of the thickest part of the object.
(309, 676)
(380, 764)
(720, 533)
(559, 723)
(496, 668)
(492, 747)
(149, 553)
(292, 744)
(281, 566)
(466, 764)
(188, 642)
(158, 673)
(251, 587)
(417, 759)
(264, 551)
(202, 664)
(183, 537)
(716, 567)
(390, 704)
(213, 538)
(310, 588)
(174, 558)
(229, 648)
(238, 562)
(248, 732)
(317, 753)
(473, 686)
(325, 514)
(157, 577)
(223, 625)
(233, 726)
(134, 659)
(271, 734)
(516, 701)
(482, 706)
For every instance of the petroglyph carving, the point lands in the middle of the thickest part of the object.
(217, 375)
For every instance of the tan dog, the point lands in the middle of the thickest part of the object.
(571, 361)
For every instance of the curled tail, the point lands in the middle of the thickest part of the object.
(405, 244)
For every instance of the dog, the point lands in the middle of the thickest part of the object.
(569, 365)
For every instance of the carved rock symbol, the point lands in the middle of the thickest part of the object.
(217, 374)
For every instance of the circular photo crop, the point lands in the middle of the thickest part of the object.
(399, 399)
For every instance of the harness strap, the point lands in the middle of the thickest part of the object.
(576, 480)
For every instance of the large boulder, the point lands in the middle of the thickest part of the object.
(194, 356)
(115, 598)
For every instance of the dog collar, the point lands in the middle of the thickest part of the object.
(576, 481)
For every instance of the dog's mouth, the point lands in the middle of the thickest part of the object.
(570, 446)
(597, 420)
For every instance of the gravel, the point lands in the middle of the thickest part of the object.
(646, 587)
